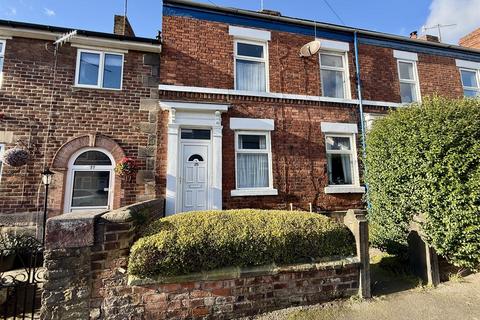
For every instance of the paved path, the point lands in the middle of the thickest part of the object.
(450, 301)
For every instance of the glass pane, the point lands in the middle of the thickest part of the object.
(471, 93)
(406, 70)
(1, 64)
(250, 75)
(469, 78)
(252, 142)
(331, 61)
(408, 92)
(338, 143)
(89, 64)
(332, 84)
(93, 158)
(90, 188)
(339, 169)
(196, 157)
(1, 47)
(252, 170)
(249, 50)
(112, 75)
(197, 134)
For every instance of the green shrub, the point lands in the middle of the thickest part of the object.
(425, 160)
(207, 240)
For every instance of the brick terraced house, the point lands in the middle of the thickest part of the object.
(228, 115)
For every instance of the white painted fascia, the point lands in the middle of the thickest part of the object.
(405, 55)
(274, 95)
(250, 34)
(467, 64)
(81, 40)
(344, 189)
(332, 45)
(338, 127)
(253, 192)
(192, 106)
(252, 124)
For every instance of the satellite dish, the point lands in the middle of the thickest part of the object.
(310, 48)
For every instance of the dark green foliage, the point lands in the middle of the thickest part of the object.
(207, 240)
(425, 160)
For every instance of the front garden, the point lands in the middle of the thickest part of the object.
(202, 241)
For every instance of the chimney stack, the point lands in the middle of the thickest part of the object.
(429, 38)
(122, 26)
(471, 40)
(271, 12)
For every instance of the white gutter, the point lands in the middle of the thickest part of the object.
(81, 40)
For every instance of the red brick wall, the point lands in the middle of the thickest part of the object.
(439, 75)
(298, 150)
(471, 40)
(200, 53)
(25, 102)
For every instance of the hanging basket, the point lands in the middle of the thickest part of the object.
(126, 168)
(16, 157)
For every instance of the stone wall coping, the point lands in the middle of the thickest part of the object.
(242, 272)
(63, 231)
(127, 214)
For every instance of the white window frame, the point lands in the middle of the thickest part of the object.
(265, 59)
(347, 94)
(263, 191)
(2, 150)
(477, 75)
(415, 81)
(2, 55)
(101, 70)
(74, 168)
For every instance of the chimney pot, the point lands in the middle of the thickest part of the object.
(414, 34)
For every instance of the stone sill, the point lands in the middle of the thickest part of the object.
(344, 189)
(238, 272)
(253, 192)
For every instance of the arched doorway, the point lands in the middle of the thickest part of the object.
(90, 180)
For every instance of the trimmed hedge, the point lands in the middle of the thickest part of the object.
(425, 160)
(206, 240)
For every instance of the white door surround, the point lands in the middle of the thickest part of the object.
(190, 115)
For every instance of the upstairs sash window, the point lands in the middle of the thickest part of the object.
(250, 66)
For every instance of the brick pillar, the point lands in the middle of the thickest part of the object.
(83, 248)
(357, 222)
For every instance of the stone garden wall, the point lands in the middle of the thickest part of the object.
(87, 257)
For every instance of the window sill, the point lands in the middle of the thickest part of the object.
(253, 192)
(77, 86)
(344, 189)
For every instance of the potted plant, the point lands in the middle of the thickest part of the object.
(126, 168)
(16, 157)
(25, 247)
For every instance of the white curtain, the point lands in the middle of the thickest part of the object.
(250, 75)
(252, 170)
(347, 168)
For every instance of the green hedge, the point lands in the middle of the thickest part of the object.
(207, 240)
(426, 160)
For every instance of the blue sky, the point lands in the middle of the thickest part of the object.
(394, 16)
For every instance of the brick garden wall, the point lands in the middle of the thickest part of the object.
(122, 116)
(86, 277)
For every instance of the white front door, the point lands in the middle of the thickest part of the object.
(194, 179)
